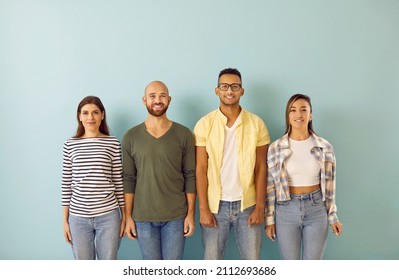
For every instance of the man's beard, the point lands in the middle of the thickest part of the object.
(157, 113)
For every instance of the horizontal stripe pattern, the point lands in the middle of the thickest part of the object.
(92, 181)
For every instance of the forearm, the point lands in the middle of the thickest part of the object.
(190, 203)
(202, 177)
(202, 190)
(129, 204)
(260, 185)
(123, 212)
(260, 176)
(65, 214)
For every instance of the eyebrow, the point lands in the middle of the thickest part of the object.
(299, 107)
(96, 110)
(161, 93)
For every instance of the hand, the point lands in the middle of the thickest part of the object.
(207, 219)
(257, 216)
(270, 231)
(130, 229)
(337, 228)
(67, 233)
(189, 225)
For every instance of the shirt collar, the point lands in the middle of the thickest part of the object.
(318, 141)
(239, 118)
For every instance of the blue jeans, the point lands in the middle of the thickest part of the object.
(95, 237)
(248, 238)
(302, 222)
(161, 240)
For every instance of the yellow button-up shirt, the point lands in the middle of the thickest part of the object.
(251, 132)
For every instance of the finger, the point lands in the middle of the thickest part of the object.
(186, 229)
(209, 224)
(189, 231)
(133, 234)
(339, 230)
(68, 238)
(130, 233)
(272, 234)
(133, 230)
(215, 224)
(335, 230)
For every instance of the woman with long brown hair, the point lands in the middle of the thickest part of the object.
(92, 186)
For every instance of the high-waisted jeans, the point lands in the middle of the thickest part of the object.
(96, 237)
(301, 223)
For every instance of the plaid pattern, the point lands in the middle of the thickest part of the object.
(277, 177)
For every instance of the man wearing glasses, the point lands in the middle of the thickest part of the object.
(231, 148)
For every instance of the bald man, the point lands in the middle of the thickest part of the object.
(159, 180)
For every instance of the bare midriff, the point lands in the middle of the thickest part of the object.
(303, 190)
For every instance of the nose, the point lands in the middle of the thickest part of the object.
(157, 99)
(229, 89)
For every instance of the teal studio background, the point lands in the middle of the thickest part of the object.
(343, 54)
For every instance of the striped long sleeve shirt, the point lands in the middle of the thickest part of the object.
(92, 181)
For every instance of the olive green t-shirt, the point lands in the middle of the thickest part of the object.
(159, 171)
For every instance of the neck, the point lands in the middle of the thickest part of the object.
(231, 113)
(157, 126)
(299, 135)
(157, 122)
(92, 134)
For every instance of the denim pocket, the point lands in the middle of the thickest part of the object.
(282, 203)
(316, 200)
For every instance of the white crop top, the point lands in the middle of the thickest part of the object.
(302, 167)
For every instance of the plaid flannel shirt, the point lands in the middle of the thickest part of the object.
(277, 178)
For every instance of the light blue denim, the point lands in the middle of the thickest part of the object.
(302, 225)
(161, 240)
(96, 237)
(248, 238)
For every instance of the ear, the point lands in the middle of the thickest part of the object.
(217, 91)
(144, 99)
(242, 93)
(102, 115)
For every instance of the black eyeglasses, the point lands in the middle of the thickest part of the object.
(234, 87)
